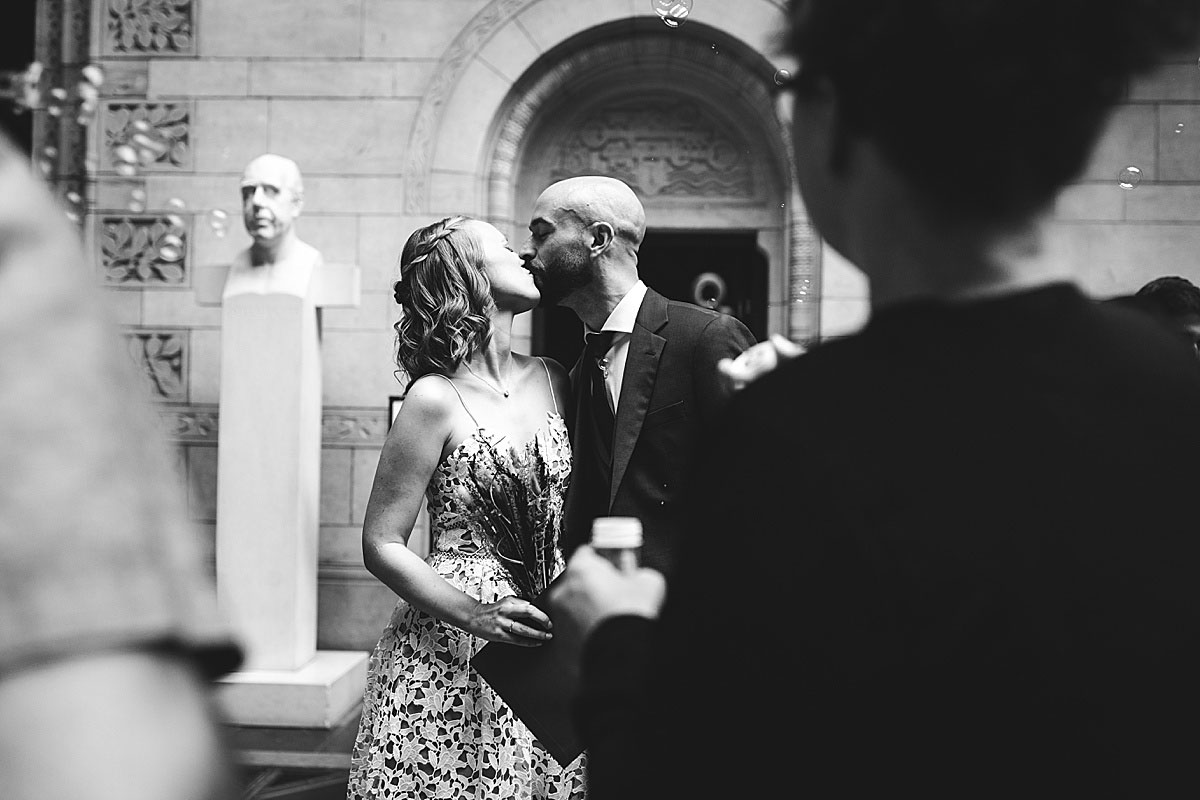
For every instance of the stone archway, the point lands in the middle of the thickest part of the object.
(689, 121)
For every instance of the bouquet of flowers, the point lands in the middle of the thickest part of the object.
(521, 508)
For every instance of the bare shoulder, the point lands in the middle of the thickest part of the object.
(429, 402)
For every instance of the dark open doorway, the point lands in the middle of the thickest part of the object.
(723, 270)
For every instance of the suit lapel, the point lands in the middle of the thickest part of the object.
(637, 384)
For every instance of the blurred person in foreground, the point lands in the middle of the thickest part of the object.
(109, 631)
(965, 562)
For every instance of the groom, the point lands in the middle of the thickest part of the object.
(647, 383)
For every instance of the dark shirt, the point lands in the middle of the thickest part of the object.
(952, 556)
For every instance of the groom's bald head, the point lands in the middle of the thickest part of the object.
(596, 198)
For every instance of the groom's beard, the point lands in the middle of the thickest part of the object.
(571, 271)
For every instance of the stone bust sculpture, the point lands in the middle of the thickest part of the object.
(277, 261)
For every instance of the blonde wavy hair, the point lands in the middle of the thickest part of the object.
(445, 300)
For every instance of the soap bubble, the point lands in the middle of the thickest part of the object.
(123, 153)
(23, 87)
(93, 74)
(57, 101)
(137, 200)
(89, 101)
(176, 204)
(218, 220)
(1129, 177)
(46, 160)
(782, 77)
(74, 202)
(149, 147)
(673, 13)
(170, 247)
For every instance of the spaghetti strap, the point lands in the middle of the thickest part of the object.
(549, 380)
(460, 397)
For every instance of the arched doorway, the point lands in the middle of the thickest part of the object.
(688, 120)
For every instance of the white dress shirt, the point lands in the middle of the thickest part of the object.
(620, 322)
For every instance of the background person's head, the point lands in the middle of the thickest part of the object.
(1177, 301)
(583, 231)
(444, 296)
(986, 107)
(272, 196)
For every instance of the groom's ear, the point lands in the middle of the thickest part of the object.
(602, 236)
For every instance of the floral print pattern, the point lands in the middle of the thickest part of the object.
(431, 727)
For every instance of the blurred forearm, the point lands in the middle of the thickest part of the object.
(114, 726)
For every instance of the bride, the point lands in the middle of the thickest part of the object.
(481, 437)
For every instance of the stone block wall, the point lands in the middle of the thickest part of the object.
(1120, 238)
(343, 87)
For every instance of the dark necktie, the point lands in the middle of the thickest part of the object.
(596, 365)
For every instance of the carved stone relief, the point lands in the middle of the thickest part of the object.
(148, 27)
(190, 424)
(352, 426)
(453, 63)
(162, 356)
(149, 250)
(344, 426)
(660, 149)
(158, 134)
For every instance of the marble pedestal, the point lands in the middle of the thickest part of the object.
(268, 489)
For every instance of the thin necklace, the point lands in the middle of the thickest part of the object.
(498, 389)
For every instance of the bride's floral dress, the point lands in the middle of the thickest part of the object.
(431, 727)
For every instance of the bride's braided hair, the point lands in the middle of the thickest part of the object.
(444, 298)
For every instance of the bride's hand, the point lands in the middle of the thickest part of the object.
(513, 621)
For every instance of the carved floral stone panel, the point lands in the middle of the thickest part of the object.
(149, 28)
(154, 136)
(664, 149)
(147, 250)
(162, 357)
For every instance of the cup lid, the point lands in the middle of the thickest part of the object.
(617, 532)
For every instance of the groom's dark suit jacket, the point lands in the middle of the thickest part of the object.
(670, 393)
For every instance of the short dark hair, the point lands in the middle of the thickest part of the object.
(1171, 295)
(989, 106)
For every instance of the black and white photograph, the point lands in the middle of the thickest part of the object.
(603, 400)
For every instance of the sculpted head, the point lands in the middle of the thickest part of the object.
(580, 227)
(272, 196)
